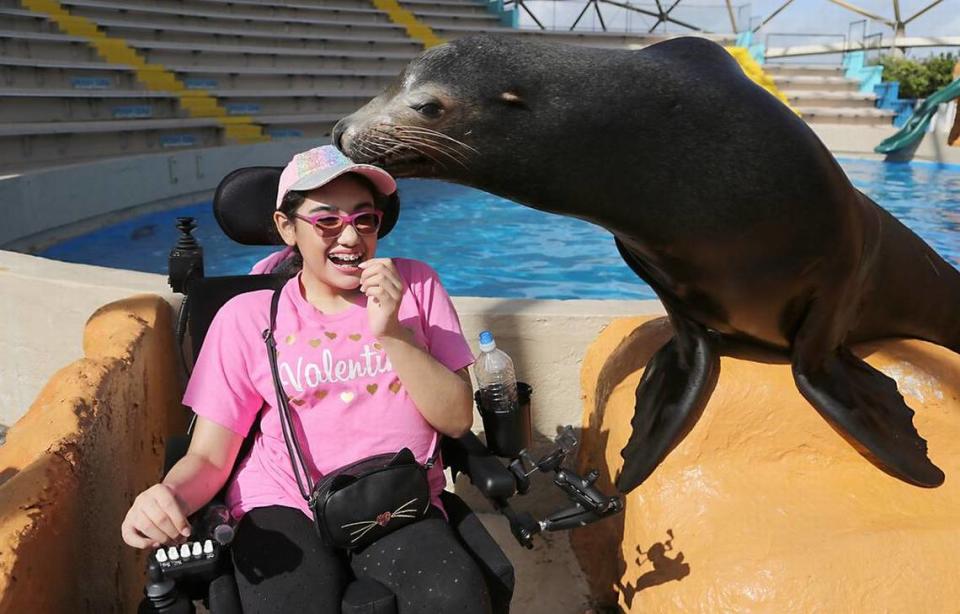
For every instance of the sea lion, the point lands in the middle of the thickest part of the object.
(719, 197)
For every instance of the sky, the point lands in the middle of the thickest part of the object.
(802, 16)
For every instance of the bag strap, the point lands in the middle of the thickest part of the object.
(283, 407)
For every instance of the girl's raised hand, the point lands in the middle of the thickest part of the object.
(382, 284)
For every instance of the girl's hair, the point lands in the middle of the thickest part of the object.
(292, 201)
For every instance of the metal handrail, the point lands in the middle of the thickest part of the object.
(770, 35)
(849, 43)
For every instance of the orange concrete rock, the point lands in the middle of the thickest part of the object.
(763, 507)
(92, 439)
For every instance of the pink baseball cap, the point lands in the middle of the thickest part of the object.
(319, 166)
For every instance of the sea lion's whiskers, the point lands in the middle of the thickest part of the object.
(375, 149)
(435, 146)
(452, 146)
(432, 132)
(404, 143)
(449, 149)
(362, 146)
(382, 137)
(372, 143)
(384, 145)
(443, 148)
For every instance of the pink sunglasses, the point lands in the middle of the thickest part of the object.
(329, 224)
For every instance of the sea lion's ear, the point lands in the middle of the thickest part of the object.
(513, 99)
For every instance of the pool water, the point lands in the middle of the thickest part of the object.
(483, 245)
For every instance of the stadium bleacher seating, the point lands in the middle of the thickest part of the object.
(285, 69)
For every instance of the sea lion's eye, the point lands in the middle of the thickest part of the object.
(429, 109)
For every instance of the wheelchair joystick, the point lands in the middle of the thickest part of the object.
(161, 595)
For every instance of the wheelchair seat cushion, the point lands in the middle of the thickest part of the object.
(367, 596)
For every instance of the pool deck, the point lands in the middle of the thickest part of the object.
(859, 141)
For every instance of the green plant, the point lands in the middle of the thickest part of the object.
(919, 79)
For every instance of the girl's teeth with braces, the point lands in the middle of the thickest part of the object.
(345, 258)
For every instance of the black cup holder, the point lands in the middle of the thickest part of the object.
(508, 433)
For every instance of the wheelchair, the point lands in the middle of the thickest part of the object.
(202, 570)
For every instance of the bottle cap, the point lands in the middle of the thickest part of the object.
(487, 344)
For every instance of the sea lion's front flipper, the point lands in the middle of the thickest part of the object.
(671, 395)
(864, 405)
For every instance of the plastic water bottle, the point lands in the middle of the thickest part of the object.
(504, 404)
(496, 379)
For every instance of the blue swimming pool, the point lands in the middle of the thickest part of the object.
(483, 245)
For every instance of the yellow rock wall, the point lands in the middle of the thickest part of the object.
(763, 507)
(71, 466)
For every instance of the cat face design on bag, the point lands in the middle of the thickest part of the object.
(369, 363)
(358, 530)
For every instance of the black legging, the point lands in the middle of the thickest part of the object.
(282, 566)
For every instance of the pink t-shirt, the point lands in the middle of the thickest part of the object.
(345, 398)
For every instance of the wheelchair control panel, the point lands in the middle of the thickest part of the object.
(173, 571)
(189, 558)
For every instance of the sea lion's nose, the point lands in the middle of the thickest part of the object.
(338, 133)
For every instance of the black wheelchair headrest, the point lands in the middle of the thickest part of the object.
(245, 199)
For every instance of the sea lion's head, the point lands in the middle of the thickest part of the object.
(450, 114)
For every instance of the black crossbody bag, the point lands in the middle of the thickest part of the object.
(358, 504)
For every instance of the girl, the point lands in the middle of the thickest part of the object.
(372, 359)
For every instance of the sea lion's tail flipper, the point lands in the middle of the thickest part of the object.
(864, 406)
(673, 391)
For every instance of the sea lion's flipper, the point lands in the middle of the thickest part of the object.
(673, 391)
(864, 405)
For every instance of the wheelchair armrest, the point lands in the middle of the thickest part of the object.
(469, 456)
(174, 450)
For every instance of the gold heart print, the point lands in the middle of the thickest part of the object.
(372, 388)
(355, 337)
(395, 386)
(377, 346)
(331, 335)
(314, 343)
(319, 394)
(290, 340)
(347, 396)
(297, 402)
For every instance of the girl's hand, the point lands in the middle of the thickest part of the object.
(383, 286)
(156, 518)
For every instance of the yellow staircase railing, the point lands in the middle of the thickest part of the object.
(155, 77)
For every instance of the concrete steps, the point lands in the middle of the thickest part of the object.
(475, 15)
(26, 73)
(168, 27)
(824, 96)
(854, 116)
(293, 67)
(72, 105)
